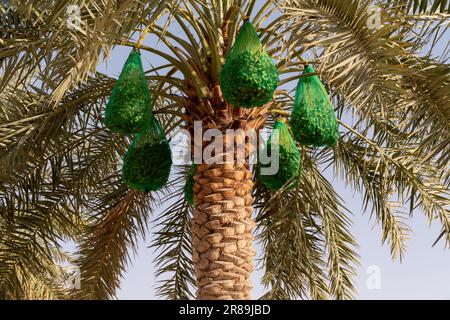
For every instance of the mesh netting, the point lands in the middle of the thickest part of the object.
(147, 163)
(289, 159)
(130, 103)
(313, 120)
(249, 77)
(189, 186)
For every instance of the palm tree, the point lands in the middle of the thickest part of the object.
(61, 169)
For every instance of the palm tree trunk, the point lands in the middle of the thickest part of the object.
(222, 231)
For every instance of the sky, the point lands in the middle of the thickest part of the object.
(423, 273)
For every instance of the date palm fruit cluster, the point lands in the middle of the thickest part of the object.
(189, 186)
(313, 121)
(249, 77)
(288, 156)
(130, 103)
(147, 163)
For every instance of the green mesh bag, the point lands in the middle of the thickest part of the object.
(249, 77)
(189, 186)
(130, 103)
(313, 121)
(147, 163)
(289, 159)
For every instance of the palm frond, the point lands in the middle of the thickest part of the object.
(293, 256)
(109, 239)
(388, 175)
(303, 232)
(421, 6)
(172, 243)
(77, 49)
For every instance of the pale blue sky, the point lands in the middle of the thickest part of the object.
(424, 273)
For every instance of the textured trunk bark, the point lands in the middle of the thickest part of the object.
(222, 231)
